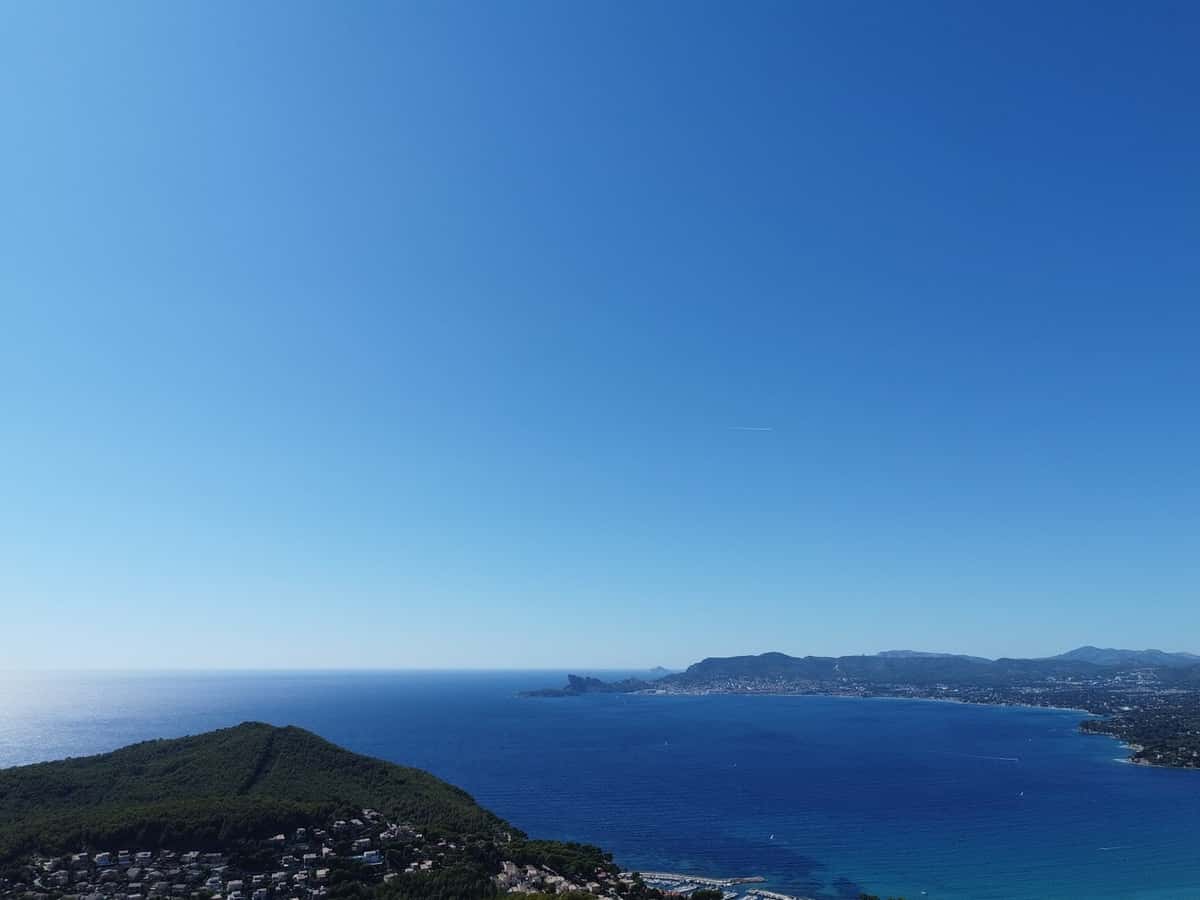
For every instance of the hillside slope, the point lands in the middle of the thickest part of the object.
(211, 788)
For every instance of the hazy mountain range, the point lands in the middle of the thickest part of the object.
(912, 667)
(1099, 656)
(1109, 656)
(926, 654)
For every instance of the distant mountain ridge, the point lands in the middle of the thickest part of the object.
(914, 669)
(911, 667)
(1110, 656)
(926, 654)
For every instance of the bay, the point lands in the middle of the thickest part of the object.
(824, 796)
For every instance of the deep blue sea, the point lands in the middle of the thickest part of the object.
(824, 796)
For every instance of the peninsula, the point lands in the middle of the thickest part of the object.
(1149, 699)
(257, 812)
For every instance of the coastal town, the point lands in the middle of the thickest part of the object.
(303, 864)
(673, 884)
(313, 863)
(1148, 700)
(307, 864)
(1158, 722)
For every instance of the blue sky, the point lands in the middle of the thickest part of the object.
(586, 334)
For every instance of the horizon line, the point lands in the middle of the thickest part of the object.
(570, 668)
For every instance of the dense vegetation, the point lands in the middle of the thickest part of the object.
(468, 873)
(1163, 731)
(570, 859)
(210, 790)
(231, 790)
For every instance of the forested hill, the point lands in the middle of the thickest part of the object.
(282, 812)
(212, 788)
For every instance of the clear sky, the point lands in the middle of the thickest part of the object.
(538, 334)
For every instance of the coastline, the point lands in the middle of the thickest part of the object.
(1086, 768)
(1148, 697)
(679, 881)
(1130, 759)
(1146, 764)
(1074, 709)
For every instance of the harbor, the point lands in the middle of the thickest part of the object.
(683, 885)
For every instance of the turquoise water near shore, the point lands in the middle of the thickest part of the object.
(825, 796)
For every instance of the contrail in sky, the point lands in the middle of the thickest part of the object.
(751, 428)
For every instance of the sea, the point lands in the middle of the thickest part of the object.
(823, 796)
